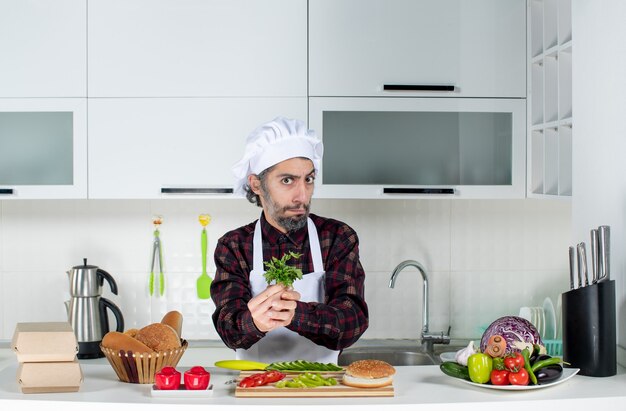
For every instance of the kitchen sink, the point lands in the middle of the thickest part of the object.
(393, 357)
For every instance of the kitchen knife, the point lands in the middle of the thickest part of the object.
(604, 252)
(572, 264)
(241, 365)
(580, 250)
(583, 262)
(594, 256)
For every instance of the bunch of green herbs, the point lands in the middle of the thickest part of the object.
(278, 272)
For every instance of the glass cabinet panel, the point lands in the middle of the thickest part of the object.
(398, 147)
(36, 148)
(43, 148)
(417, 148)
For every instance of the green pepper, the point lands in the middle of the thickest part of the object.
(311, 380)
(498, 363)
(479, 366)
(527, 366)
(544, 363)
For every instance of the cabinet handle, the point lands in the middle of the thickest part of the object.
(388, 190)
(172, 190)
(6, 191)
(418, 87)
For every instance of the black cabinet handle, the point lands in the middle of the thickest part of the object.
(6, 191)
(173, 190)
(418, 87)
(391, 190)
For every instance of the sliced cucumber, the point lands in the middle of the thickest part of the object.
(303, 365)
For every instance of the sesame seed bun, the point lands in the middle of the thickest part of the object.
(369, 374)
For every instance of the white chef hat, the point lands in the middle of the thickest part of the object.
(273, 142)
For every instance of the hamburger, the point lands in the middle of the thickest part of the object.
(369, 374)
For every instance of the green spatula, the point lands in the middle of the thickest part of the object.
(203, 284)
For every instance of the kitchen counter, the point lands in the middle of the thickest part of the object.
(425, 386)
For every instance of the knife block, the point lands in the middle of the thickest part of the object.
(589, 322)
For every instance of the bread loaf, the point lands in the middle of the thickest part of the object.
(131, 332)
(120, 341)
(159, 337)
(175, 320)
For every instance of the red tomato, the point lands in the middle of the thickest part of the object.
(273, 376)
(263, 378)
(514, 362)
(499, 377)
(246, 382)
(519, 378)
(167, 379)
(197, 378)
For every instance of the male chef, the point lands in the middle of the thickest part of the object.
(325, 311)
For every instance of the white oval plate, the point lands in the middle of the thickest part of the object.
(181, 392)
(567, 374)
(448, 356)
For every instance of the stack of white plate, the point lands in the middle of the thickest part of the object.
(537, 316)
(551, 325)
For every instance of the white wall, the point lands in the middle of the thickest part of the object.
(485, 258)
(599, 133)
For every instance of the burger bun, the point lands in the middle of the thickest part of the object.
(369, 374)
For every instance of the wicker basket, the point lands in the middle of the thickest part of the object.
(139, 368)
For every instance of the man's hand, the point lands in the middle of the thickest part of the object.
(273, 308)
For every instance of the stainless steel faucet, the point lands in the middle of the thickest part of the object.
(428, 339)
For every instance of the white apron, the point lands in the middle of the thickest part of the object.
(282, 344)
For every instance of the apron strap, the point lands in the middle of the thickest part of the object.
(314, 245)
(316, 250)
(257, 249)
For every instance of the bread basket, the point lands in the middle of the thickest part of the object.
(139, 368)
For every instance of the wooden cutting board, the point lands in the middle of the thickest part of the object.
(338, 390)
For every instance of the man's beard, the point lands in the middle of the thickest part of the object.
(277, 213)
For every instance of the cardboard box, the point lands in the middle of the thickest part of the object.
(40, 377)
(44, 342)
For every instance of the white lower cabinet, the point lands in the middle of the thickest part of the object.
(43, 148)
(161, 148)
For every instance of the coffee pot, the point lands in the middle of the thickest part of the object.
(87, 310)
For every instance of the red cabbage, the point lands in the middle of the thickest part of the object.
(513, 329)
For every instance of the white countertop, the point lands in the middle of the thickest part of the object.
(423, 387)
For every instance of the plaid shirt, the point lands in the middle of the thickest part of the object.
(335, 324)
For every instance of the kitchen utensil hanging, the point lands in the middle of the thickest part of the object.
(157, 258)
(203, 284)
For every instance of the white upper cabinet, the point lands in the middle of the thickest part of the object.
(43, 49)
(197, 48)
(478, 47)
(165, 147)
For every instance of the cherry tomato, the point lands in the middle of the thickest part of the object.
(197, 378)
(167, 379)
(519, 378)
(514, 362)
(499, 377)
